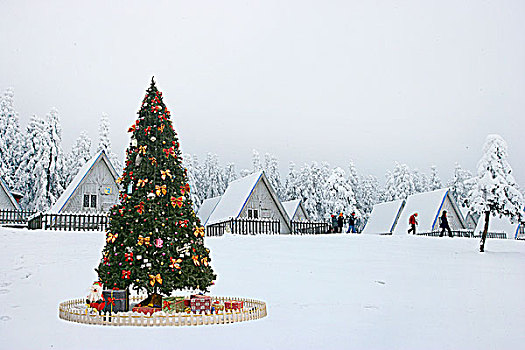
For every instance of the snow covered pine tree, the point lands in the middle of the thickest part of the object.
(154, 242)
(496, 190)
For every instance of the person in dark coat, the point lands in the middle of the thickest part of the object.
(443, 223)
(351, 223)
(340, 222)
(412, 220)
(334, 223)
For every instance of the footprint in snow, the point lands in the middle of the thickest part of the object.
(5, 284)
(29, 274)
(4, 291)
(380, 282)
(5, 318)
(371, 307)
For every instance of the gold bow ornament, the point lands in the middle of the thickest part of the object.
(199, 231)
(155, 278)
(111, 237)
(175, 263)
(144, 240)
(165, 173)
(160, 190)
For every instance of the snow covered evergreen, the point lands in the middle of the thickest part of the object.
(291, 185)
(338, 196)
(104, 142)
(80, 154)
(271, 169)
(32, 173)
(11, 139)
(461, 184)
(434, 181)
(55, 159)
(421, 181)
(213, 176)
(496, 192)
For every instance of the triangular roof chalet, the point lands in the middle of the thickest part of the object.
(81, 175)
(236, 196)
(428, 205)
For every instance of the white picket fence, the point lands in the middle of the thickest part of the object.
(72, 311)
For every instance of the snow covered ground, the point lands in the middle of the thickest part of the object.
(322, 292)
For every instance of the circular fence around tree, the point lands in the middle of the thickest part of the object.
(76, 311)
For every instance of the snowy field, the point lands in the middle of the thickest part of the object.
(322, 292)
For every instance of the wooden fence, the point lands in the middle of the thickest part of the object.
(76, 311)
(216, 229)
(309, 228)
(464, 233)
(16, 217)
(245, 227)
(69, 222)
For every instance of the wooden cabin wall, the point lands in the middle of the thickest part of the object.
(94, 184)
(5, 202)
(261, 200)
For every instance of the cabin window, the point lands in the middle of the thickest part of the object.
(86, 201)
(93, 201)
(253, 214)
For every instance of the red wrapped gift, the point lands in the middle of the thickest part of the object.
(200, 303)
(233, 305)
(146, 309)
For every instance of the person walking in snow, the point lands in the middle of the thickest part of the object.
(351, 223)
(340, 222)
(412, 220)
(334, 223)
(443, 223)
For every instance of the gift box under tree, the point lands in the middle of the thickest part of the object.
(233, 305)
(148, 310)
(117, 300)
(173, 304)
(200, 303)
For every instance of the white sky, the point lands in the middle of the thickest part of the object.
(420, 82)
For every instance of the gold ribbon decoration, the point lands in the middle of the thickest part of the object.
(142, 149)
(175, 263)
(199, 231)
(160, 190)
(144, 240)
(111, 237)
(142, 183)
(165, 173)
(161, 128)
(204, 261)
(155, 278)
(196, 260)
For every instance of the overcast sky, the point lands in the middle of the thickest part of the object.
(419, 82)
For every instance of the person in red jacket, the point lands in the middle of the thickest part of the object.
(413, 222)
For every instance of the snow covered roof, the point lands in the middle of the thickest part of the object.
(497, 224)
(207, 208)
(9, 194)
(428, 206)
(236, 196)
(81, 175)
(384, 217)
(291, 207)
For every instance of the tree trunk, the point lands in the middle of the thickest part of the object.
(485, 229)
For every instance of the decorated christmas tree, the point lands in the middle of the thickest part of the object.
(155, 242)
